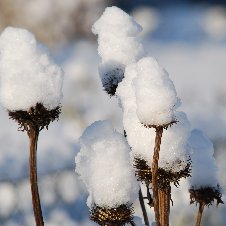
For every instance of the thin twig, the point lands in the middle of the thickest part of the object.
(158, 137)
(142, 205)
(199, 215)
(33, 136)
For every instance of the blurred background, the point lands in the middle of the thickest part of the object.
(187, 37)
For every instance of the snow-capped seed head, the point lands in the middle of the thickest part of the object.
(103, 163)
(28, 74)
(174, 154)
(204, 170)
(117, 45)
(204, 187)
(156, 96)
(142, 140)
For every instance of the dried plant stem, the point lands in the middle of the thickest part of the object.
(158, 138)
(142, 205)
(33, 136)
(200, 212)
(164, 200)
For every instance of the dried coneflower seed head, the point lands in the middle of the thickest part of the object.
(165, 177)
(142, 170)
(205, 195)
(36, 117)
(111, 79)
(164, 126)
(119, 216)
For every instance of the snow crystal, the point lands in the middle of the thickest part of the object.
(103, 163)
(203, 163)
(28, 74)
(156, 96)
(117, 43)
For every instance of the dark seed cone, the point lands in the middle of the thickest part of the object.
(112, 216)
(165, 177)
(205, 195)
(165, 126)
(36, 117)
(111, 79)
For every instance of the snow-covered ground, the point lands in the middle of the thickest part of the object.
(197, 67)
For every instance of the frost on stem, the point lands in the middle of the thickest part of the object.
(118, 45)
(104, 165)
(204, 186)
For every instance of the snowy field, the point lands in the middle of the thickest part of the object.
(190, 47)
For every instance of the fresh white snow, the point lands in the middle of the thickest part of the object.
(104, 165)
(155, 93)
(28, 75)
(204, 170)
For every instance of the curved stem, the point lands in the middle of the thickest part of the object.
(200, 212)
(158, 137)
(142, 205)
(33, 137)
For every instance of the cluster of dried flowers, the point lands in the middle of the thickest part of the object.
(163, 147)
(158, 147)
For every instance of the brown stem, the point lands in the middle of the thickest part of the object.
(33, 136)
(164, 199)
(200, 212)
(158, 137)
(142, 205)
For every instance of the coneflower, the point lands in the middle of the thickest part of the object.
(104, 165)
(204, 185)
(30, 90)
(117, 46)
(156, 102)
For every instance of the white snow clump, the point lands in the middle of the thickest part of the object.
(140, 139)
(104, 165)
(174, 153)
(204, 170)
(118, 45)
(174, 146)
(27, 72)
(156, 96)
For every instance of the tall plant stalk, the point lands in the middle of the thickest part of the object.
(158, 138)
(164, 200)
(33, 137)
(200, 212)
